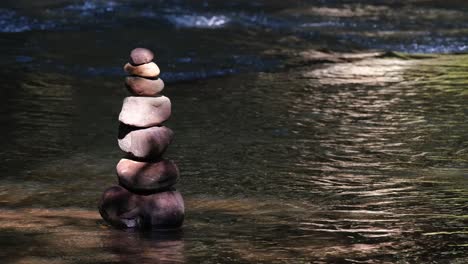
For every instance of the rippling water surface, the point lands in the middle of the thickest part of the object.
(287, 154)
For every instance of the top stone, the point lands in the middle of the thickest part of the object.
(141, 56)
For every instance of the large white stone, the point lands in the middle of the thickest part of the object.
(145, 111)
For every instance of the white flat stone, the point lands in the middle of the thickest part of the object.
(145, 111)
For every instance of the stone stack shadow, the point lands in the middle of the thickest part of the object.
(145, 196)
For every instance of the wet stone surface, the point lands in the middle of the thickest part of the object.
(141, 56)
(145, 111)
(148, 70)
(144, 143)
(123, 209)
(147, 177)
(144, 87)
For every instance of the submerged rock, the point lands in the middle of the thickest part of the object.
(149, 70)
(145, 111)
(147, 143)
(123, 209)
(163, 210)
(119, 207)
(143, 86)
(141, 56)
(147, 177)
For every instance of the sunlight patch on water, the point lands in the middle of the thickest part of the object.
(368, 72)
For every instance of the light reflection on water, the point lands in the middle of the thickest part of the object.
(291, 168)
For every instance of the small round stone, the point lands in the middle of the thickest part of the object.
(148, 70)
(144, 87)
(141, 56)
(145, 111)
(147, 177)
(148, 143)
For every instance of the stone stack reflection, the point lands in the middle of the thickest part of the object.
(145, 196)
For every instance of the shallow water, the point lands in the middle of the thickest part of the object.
(350, 162)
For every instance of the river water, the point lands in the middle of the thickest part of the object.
(287, 154)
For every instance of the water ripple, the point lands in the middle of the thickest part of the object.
(199, 21)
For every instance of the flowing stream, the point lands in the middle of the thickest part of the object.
(301, 134)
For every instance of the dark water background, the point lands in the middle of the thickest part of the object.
(347, 163)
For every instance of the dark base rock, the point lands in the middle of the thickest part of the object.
(120, 208)
(123, 209)
(147, 177)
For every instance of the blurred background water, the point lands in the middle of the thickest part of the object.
(197, 39)
(281, 162)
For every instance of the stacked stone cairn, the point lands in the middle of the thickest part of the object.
(145, 197)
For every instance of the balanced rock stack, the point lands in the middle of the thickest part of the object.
(145, 196)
